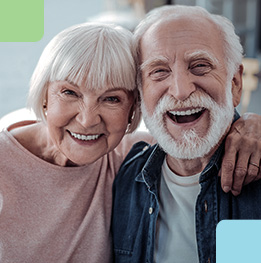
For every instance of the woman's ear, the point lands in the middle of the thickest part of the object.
(237, 86)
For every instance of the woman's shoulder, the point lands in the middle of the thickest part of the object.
(26, 133)
(130, 139)
(15, 137)
(22, 130)
(20, 124)
(138, 136)
(16, 130)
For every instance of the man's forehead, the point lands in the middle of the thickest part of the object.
(187, 57)
(180, 22)
(162, 40)
(180, 26)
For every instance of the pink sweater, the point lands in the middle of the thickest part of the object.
(54, 214)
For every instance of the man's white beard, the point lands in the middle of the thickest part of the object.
(190, 145)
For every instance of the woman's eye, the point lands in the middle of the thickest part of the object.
(112, 99)
(69, 92)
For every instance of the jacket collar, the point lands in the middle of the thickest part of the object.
(151, 171)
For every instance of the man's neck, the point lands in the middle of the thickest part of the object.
(185, 167)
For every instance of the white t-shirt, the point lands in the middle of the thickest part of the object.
(176, 231)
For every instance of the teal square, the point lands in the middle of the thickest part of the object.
(21, 20)
(238, 241)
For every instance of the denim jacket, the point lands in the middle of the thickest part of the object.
(136, 205)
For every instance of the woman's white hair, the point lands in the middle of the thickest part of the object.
(94, 55)
(232, 46)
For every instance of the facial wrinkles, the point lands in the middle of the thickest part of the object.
(153, 62)
(201, 54)
(88, 105)
(169, 53)
(175, 33)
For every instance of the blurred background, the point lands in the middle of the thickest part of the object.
(18, 59)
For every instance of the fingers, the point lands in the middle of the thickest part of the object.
(229, 163)
(258, 177)
(241, 161)
(253, 169)
(233, 172)
(227, 172)
(240, 172)
(237, 166)
(239, 169)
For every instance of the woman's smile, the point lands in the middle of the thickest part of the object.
(83, 137)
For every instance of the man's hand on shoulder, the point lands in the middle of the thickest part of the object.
(241, 161)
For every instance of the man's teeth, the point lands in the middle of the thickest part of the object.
(187, 112)
(84, 137)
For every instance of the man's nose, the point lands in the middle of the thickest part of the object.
(88, 115)
(181, 85)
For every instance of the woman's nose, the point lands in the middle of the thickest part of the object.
(88, 115)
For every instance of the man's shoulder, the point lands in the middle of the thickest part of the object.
(139, 153)
(135, 160)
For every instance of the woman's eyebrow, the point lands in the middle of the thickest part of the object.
(72, 83)
(115, 89)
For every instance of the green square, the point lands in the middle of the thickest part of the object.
(21, 20)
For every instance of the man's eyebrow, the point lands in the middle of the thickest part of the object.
(200, 54)
(154, 61)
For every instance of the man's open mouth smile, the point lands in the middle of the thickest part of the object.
(186, 116)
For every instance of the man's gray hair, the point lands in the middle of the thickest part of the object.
(232, 46)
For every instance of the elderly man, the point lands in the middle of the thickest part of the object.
(168, 197)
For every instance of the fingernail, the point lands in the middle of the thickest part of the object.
(235, 193)
(226, 189)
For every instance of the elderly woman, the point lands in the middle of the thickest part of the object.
(57, 173)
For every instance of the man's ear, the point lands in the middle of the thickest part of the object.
(237, 85)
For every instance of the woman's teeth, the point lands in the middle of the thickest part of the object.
(84, 137)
